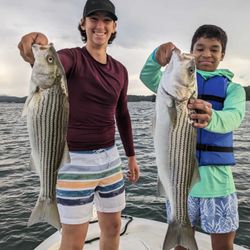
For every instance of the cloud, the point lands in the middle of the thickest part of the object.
(242, 74)
(142, 26)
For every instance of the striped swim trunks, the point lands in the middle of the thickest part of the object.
(92, 177)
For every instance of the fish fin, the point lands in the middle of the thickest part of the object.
(33, 89)
(179, 235)
(64, 85)
(66, 156)
(153, 124)
(170, 102)
(32, 165)
(160, 188)
(45, 211)
(25, 107)
(173, 115)
(196, 175)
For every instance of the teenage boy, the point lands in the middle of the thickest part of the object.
(97, 86)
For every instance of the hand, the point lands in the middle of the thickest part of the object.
(25, 45)
(134, 171)
(164, 53)
(203, 112)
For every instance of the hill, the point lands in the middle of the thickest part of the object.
(4, 98)
(247, 89)
(140, 98)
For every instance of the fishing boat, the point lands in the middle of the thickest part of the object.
(136, 234)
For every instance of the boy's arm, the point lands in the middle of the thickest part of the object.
(125, 130)
(25, 45)
(230, 118)
(123, 120)
(151, 73)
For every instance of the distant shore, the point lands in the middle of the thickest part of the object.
(131, 98)
(247, 89)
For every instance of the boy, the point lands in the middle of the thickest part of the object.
(97, 86)
(212, 202)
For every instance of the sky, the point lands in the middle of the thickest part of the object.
(142, 26)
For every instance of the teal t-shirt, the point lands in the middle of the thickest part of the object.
(215, 181)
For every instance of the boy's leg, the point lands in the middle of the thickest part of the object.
(219, 218)
(110, 224)
(223, 241)
(75, 195)
(110, 199)
(73, 236)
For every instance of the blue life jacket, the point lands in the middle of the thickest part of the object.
(214, 148)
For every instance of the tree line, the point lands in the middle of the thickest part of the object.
(131, 98)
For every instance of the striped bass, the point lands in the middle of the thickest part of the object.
(175, 146)
(47, 111)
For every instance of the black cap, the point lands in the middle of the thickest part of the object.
(99, 5)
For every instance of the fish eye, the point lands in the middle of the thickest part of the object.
(191, 70)
(50, 59)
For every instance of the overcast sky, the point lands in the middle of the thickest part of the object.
(142, 26)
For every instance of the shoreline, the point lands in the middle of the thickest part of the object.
(131, 98)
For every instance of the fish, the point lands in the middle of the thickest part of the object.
(175, 146)
(47, 112)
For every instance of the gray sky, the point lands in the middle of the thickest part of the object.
(142, 26)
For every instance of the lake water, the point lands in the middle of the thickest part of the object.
(19, 187)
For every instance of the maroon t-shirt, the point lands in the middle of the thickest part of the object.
(97, 94)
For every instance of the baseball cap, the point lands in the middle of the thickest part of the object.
(99, 5)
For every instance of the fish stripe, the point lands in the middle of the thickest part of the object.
(181, 154)
(48, 123)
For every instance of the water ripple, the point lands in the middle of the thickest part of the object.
(19, 187)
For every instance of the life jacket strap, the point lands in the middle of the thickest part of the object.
(212, 98)
(205, 147)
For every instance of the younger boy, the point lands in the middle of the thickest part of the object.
(212, 201)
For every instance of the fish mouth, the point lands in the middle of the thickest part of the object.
(179, 99)
(45, 81)
(44, 77)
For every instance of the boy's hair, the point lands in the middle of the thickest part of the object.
(84, 35)
(210, 31)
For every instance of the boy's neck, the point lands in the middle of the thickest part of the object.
(218, 72)
(98, 53)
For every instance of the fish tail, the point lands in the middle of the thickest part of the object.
(180, 235)
(45, 211)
